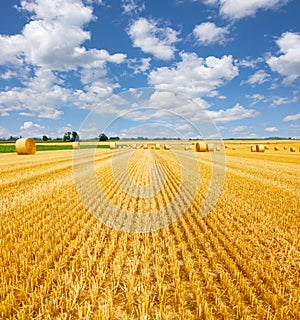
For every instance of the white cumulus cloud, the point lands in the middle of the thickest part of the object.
(278, 101)
(51, 43)
(133, 6)
(150, 38)
(208, 33)
(258, 77)
(293, 117)
(54, 37)
(10, 49)
(237, 9)
(271, 129)
(256, 97)
(4, 133)
(139, 66)
(194, 76)
(32, 129)
(288, 63)
(237, 112)
(41, 95)
(239, 129)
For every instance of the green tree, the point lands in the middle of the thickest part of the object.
(103, 137)
(67, 136)
(45, 138)
(75, 136)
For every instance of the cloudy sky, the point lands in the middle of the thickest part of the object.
(235, 62)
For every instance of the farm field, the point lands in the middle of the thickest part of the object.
(8, 147)
(241, 261)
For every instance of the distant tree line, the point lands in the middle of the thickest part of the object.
(74, 136)
(104, 137)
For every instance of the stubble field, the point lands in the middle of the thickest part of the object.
(241, 261)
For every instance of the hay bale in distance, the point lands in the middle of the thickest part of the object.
(76, 145)
(218, 147)
(260, 148)
(145, 146)
(112, 145)
(226, 146)
(276, 148)
(157, 146)
(25, 146)
(233, 148)
(187, 148)
(253, 148)
(285, 147)
(293, 149)
(201, 146)
(210, 147)
(266, 148)
(167, 147)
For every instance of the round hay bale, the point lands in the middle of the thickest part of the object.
(157, 146)
(218, 147)
(285, 147)
(253, 148)
(187, 148)
(233, 148)
(260, 148)
(226, 146)
(167, 147)
(266, 148)
(201, 146)
(145, 146)
(210, 147)
(25, 146)
(112, 145)
(133, 146)
(293, 149)
(76, 145)
(276, 148)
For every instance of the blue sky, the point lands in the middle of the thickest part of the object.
(80, 64)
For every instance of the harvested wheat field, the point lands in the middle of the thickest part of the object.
(240, 261)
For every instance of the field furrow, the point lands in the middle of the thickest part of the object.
(60, 261)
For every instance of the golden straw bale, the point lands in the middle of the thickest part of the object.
(276, 148)
(260, 148)
(201, 146)
(210, 147)
(25, 146)
(293, 149)
(112, 145)
(76, 145)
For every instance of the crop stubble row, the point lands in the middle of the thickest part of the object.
(240, 262)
